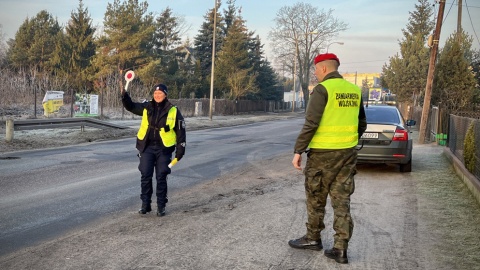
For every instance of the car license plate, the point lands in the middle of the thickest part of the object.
(369, 135)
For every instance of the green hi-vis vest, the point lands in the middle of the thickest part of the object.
(338, 128)
(169, 138)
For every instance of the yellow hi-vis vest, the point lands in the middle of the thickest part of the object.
(338, 128)
(169, 138)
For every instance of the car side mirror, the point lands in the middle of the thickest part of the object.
(411, 122)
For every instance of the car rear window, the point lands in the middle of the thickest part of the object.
(381, 115)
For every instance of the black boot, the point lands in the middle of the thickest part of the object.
(305, 243)
(161, 211)
(340, 255)
(146, 207)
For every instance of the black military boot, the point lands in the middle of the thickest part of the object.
(305, 243)
(161, 211)
(340, 255)
(146, 207)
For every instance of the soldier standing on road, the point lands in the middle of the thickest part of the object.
(335, 119)
(162, 130)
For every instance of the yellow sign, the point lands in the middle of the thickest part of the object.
(52, 102)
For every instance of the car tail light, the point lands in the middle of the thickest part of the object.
(400, 135)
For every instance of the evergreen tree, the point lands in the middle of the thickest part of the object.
(76, 49)
(234, 73)
(406, 72)
(229, 15)
(420, 22)
(266, 79)
(168, 49)
(203, 43)
(267, 82)
(454, 82)
(186, 78)
(167, 35)
(128, 42)
(34, 43)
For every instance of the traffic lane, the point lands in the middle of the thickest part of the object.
(244, 219)
(76, 185)
(211, 153)
(62, 166)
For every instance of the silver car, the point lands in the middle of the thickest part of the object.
(386, 139)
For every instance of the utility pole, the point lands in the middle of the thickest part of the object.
(431, 72)
(295, 74)
(213, 61)
(459, 21)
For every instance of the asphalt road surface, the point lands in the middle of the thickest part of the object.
(235, 201)
(47, 192)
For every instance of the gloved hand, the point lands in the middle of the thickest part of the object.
(180, 151)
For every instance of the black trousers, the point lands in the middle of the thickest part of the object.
(155, 158)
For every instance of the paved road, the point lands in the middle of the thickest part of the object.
(47, 192)
(235, 202)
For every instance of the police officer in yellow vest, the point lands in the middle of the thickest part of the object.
(162, 130)
(335, 119)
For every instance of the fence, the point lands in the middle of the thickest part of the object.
(187, 107)
(229, 107)
(449, 129)
(458, 126)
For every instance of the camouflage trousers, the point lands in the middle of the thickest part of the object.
(330, 173)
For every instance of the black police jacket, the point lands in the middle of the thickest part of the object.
(138, 107)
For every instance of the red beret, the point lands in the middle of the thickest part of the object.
(326, 56)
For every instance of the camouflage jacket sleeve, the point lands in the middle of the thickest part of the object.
(315, 108)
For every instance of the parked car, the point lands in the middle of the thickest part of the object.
(386, 139)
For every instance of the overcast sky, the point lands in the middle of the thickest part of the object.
(372, 37)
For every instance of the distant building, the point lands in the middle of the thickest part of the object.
(373, 79)
(298, 97)
(375, 91)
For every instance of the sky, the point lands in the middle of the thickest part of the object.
(373, 34)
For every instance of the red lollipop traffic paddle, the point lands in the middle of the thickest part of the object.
(129, 77)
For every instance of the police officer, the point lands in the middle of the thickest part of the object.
(162, 130)
(335, 119)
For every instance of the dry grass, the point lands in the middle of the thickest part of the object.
(451, 214)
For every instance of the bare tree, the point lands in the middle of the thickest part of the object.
(301, 32)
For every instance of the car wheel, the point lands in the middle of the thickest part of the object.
(406, 167)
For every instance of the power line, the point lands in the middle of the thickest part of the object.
(445, 18)
(466, 5)
(470, 17)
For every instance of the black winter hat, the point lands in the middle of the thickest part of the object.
(161, 87)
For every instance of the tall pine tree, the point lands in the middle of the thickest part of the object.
(266, 79)
(406, 73)
(128, 42)
(203, 43)
(168, 48)
(167, 37)
(454, 82)
(76, 50)
(235, 77)
(34, 43)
